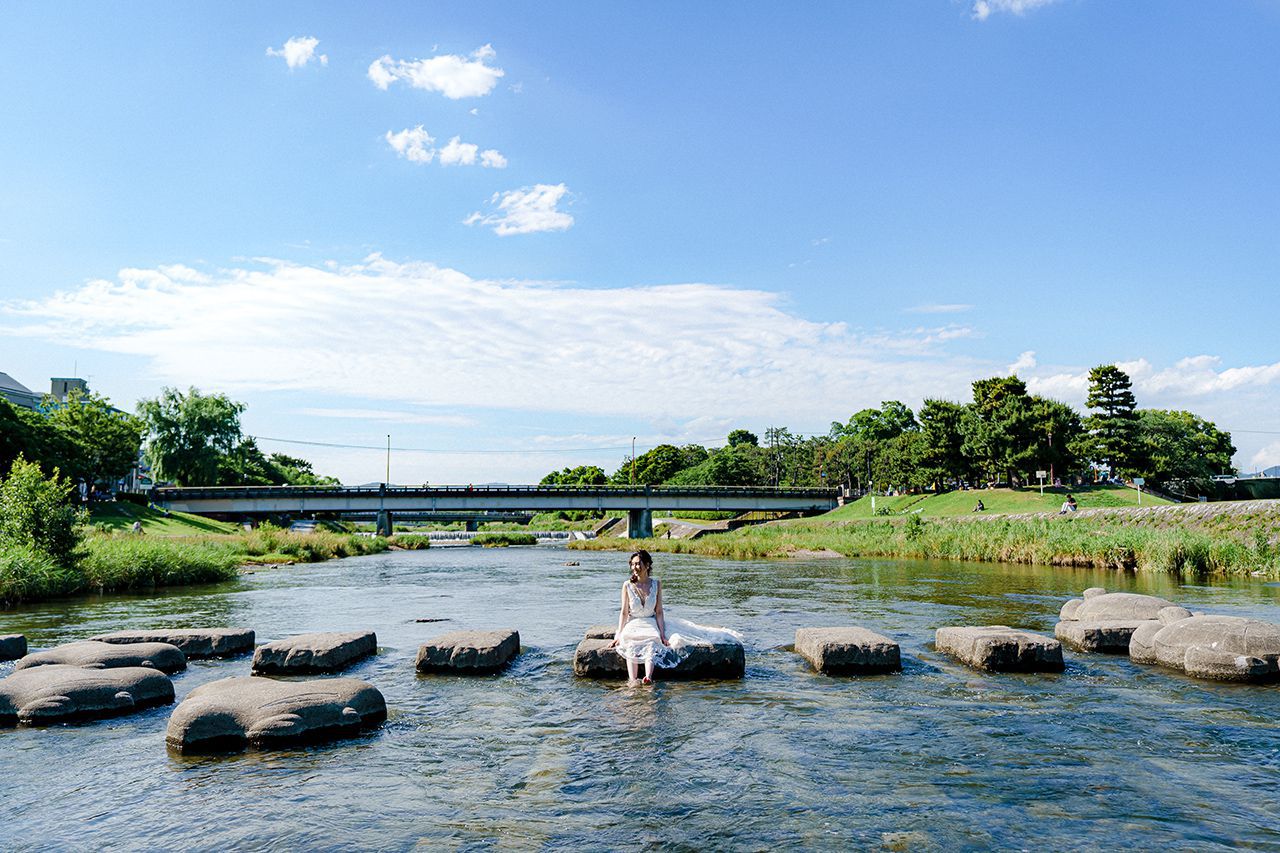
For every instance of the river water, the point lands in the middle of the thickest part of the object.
(1107, 755)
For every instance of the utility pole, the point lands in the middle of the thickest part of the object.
(633, 460)
(388, 480)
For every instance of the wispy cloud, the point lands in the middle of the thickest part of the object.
(390, 416)
(982, 9)
(298, 51)
(418, 146)
(940, 308)
(1024, 362)
(525, 211)
(718, 352)
(453, 76)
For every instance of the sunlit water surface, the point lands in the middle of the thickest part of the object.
(1108, 754)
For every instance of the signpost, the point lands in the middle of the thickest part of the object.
(1040, 475)
(1138, 481)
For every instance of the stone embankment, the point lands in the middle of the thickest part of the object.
(1202, 514)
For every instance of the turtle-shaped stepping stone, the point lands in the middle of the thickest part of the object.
(55, 693)
(1221, 648)
(91, 653)
(233, 712)
(1104, 621)
(194, 642)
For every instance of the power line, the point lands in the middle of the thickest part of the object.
(451, 450)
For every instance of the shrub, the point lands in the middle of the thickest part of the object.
(502, 540)
(27, 575)
(36, 513)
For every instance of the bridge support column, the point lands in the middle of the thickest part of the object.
(384, 527)
(639, 524)
(473, 525)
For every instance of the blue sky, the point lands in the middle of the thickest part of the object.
(542, 231)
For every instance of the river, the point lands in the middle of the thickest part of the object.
(1109, 754)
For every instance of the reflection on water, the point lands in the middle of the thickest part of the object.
(1107, 754)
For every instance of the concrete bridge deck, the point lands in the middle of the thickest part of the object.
(638, 501)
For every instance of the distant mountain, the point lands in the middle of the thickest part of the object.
(1273, 471)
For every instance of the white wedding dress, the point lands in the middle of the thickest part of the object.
(640, 642)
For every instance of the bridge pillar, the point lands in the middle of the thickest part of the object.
(639, 524)
(473, 525)
(384, 527)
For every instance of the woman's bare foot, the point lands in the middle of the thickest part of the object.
(647, 680)
(632, 682)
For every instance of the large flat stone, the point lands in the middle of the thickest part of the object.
(308, 653)
(1000, 648)
(595, 658)
(469, 652)
(56, 693)
(96, 655)
(233, 712)
(194, 642)
(848, 650)
(12, 646)
(1107, 636)
(1221, 648)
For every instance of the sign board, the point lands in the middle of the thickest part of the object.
(1042, 474)
(1139, 481)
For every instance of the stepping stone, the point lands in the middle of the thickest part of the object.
(57, 693)
(1000, 648)
(12, 646)
(469, 652)
(233, 712)
(1104, 621)
(595, 659)
(305, 653)
(194, 642)
(848, 650)
(1220, 648)
(90, 653)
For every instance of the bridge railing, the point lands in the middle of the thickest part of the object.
(171, 493)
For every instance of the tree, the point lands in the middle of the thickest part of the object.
(583, 475)
(940, 424)
(105, 439)
(892, 419)
(659, 464)
(997, 427)
(189, 434)
(1114, 429)
(741, 436)
(36, 513)
(729, 466)
(1176, 445)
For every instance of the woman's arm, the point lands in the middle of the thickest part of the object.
(657, 614)
(623, 613)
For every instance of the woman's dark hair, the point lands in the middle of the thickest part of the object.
(645, 560)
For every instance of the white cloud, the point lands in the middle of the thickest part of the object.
(415, 145)
(717, 353)
(453, 76)
(390, 416)
(525, 211)
(1266, 457)
(418, 146)
(982, 9)
(1026, 361)
(298, 51)
(940, 308)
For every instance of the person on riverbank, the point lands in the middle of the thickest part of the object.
(1069, 505)
(642, 625)
(980, 506)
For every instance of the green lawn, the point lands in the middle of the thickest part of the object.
(997, 501)
(120, 516)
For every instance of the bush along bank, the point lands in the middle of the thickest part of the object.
(1043, 541)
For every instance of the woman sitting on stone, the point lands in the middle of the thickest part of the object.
(642, 625)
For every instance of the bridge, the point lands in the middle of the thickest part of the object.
(638, 502)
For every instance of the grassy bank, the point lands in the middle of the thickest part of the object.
(119, 516)
(996, 501)
(1198, 546)
(113, 562)
(503, 540)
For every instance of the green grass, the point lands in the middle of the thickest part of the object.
(997, 501)
(119, 516)
(503, 540)
(1186, 546)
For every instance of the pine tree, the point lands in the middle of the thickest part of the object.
(1114, 429)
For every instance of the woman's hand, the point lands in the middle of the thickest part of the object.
(662, 640)
(613, 644)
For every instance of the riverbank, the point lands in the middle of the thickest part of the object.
(116, 562)
(1237, 538)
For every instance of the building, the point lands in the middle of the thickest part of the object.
(17, 393)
